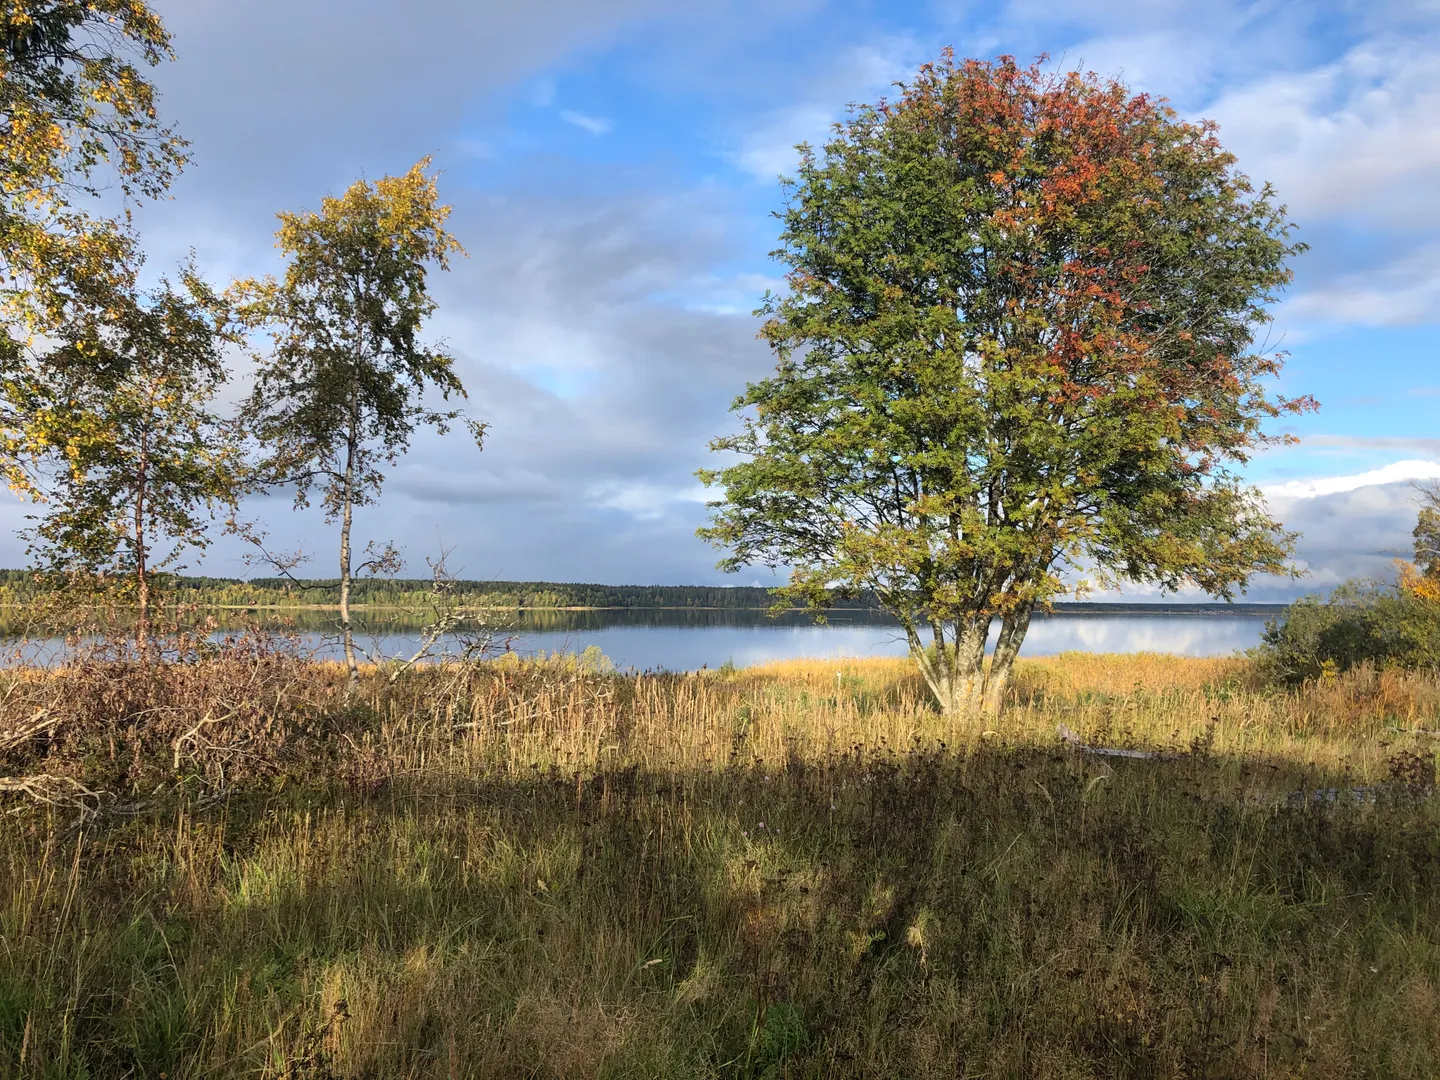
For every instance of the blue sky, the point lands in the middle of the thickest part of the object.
(613, 169)
(667, 108)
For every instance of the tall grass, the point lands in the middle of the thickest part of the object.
(796, 870)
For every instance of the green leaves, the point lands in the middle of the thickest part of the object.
(74, 104)
(342, 386)
(91, 369)
(123, 447)
(1017, 341)
(1427, 533)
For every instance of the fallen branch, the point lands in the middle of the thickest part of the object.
(28, 729)
(53, 791)
(1079, 744)
(193, 735)
(89, 806)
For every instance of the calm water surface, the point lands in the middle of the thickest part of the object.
(686, 640)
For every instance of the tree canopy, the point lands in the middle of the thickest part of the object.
(1018, 347)
(77, 115)
(1427, 532)
(77, 118)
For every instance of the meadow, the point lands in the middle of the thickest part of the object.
(542, 869)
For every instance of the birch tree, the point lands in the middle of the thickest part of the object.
(125, 452)
(345, 381)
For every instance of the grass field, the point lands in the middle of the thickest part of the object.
(797, 870)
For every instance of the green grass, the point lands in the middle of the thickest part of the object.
(754, 875)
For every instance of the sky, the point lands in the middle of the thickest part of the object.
(613, 168)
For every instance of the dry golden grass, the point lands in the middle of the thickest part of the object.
(795, 870)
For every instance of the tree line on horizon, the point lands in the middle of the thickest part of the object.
(1018, 354)
(21, 587)
(25, 586)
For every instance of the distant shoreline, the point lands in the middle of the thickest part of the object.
(21, 588)
(1071, 608)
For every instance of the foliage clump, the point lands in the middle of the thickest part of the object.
(1365, 622)
(1360, 622)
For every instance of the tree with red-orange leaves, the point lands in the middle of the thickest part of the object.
(1017, 356)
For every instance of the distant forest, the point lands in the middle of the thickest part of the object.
(24, 586)
(19, 587)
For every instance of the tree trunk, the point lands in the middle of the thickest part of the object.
(142, 604)
(142, 571)
(1007, 646)
(954, 670)
(346, 516)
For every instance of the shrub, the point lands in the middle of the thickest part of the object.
(1361, 622)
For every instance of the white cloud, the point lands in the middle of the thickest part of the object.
(643, 500)
(1406, 291)
(859, 74)
(1359, 137)
(1399, 472)
(769, 151)
(593, 124)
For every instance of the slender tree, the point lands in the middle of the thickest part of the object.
(126, 452)
(343, 386)
(1018, 345)
(1427, 532)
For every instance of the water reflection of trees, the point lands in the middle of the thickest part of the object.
(17, 622)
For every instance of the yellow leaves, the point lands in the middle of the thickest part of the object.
(1420, 586)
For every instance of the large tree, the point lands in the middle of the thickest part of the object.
(1018, 348)
(345, 381)
(126, 452)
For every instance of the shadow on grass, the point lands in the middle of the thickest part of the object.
(878, 913)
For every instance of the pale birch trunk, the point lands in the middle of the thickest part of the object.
(955, 668)
(142, 570)
(1007, 646)
(346, 517)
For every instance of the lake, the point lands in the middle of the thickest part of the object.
(688, 639)
(684, 640)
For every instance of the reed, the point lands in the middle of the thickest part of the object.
(795, 870)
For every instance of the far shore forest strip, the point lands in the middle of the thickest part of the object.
(21, 588)
(1073, 609)
(1100, 608)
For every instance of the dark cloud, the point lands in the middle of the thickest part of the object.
(1351, 534)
